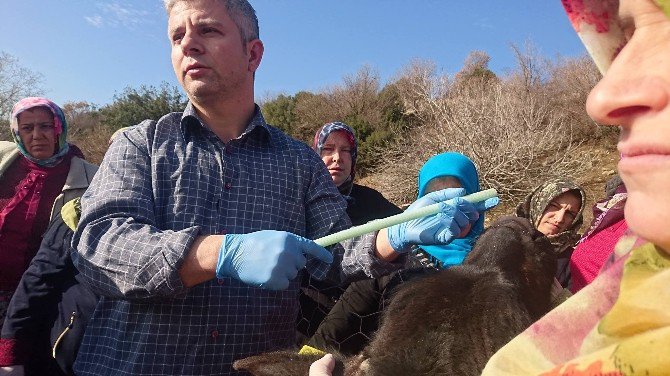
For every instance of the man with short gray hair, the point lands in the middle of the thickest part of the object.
(195, 230)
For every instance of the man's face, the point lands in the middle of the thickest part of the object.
(208, 56)
(635, 94)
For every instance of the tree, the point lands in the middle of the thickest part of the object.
(16, 82)
(312, 111)
(135, 105)
(512, 128)
(280, 112)
(476, 65)
(80, 116)
(377, 116)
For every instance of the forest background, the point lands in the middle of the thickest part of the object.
(520, 128)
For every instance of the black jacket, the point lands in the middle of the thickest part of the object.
(353, 320)
(50, 308)
(366, 204)
(318, 297)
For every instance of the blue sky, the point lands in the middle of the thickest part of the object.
(88, 50)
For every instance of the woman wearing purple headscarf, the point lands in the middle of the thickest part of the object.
(39, 173)
(336, 143)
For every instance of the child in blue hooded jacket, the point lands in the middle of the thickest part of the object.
(355, 317)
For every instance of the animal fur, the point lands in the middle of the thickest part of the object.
(452, 321)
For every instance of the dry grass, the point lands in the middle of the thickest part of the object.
(604, 159)
(520, 130)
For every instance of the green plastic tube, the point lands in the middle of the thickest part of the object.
(383, 223)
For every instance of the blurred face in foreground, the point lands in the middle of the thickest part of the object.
(635, 94)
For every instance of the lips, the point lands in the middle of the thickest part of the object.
(630, 149)
(335, 171)
(550, 224)
(640, 157)
(194, 68)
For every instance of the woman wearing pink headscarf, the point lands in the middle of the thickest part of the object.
(39, 172)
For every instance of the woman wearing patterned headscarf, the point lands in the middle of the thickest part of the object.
(39, 172)
(597, 244)
(555, 209)
(620, 323)
(336, 144)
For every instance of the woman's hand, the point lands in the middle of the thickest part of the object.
(323, 366)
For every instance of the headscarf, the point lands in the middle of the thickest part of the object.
(460, 167)
(534, 205)
(320, 139)
(60, 129)
(597, 24)
(609, 210)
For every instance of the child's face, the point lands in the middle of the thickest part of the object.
(635, 94)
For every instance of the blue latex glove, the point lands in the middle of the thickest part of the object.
(268, 259)
(442, 227)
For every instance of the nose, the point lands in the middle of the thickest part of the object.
(560, 216)
(335, 156)
(190, 44)
(619, 101)
(37, 133)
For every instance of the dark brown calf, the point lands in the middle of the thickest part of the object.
(452, 321)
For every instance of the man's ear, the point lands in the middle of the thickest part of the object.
(255, 50)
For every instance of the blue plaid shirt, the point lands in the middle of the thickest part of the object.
(160, 185)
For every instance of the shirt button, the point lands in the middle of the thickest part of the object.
(219, 281)
(214, 334)
(227, 185)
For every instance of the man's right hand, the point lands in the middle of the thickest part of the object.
(267, 259)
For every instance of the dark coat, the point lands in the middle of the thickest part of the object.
(317, 297)
(366, 204)
(50, 308)
(353, 320)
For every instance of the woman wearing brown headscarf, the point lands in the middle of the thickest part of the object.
(555, 209)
